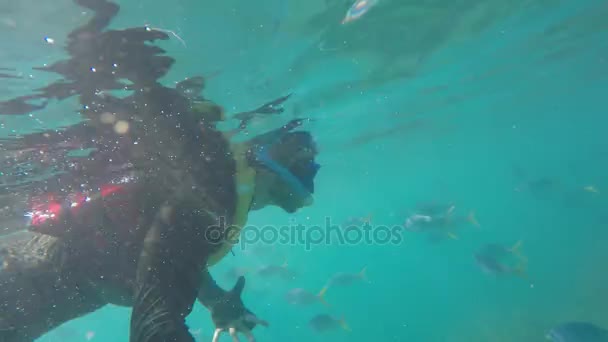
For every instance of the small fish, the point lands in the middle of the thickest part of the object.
(274, 270)
(300, 296)
(346, 279)
(358, 9)
(89, 335)
(357, 221)
(538, 186)
(592, 189)
(414, 221)
(577, 332)
(497, 259)
(439, 221)
(324, 322)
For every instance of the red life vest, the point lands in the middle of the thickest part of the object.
(48, 212)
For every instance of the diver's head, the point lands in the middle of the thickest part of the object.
(285, 172)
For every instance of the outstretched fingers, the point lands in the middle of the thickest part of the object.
(247, 333)
(254, 319)
(249, 336)
(217, 334)
(233, 334)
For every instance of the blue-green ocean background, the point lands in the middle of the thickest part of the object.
(457, 101)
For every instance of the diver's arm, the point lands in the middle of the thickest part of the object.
(209, 292)
(168, 274)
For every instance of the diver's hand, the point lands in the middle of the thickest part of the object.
(230, 315)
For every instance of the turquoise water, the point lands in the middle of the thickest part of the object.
(465, 102)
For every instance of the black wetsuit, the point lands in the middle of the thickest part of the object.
(183, 182)
(100, 255)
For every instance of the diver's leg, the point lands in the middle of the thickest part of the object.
(36, 294)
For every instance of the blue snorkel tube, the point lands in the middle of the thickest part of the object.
(300, 183)
(287, 176)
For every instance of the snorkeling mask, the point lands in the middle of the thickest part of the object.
(290, 156)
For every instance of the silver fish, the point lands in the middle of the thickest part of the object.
(324, 323)
(301, 296)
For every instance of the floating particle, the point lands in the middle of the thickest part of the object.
(107, 118)
(8, 22)
(121, 127)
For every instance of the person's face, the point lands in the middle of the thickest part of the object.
(270, 189)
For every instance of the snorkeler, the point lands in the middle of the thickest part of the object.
(92, 252)
(172, 207)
